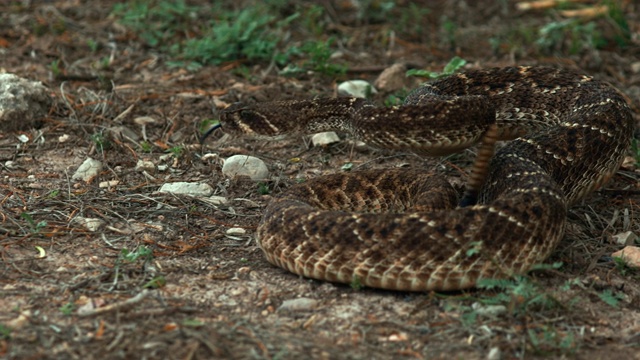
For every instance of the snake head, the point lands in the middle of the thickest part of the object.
(242, 119)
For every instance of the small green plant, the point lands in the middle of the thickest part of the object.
(156, 283)
(397, 98)
(548, 340)
(142, 252)
(192, 323)
(520, 294)
(312, 20)
(347, 166)
(356, 283)
(54, 66)
(207, 124)
(263, 189)
(317, 58)
(53, 194)
(455, 64)
(100, 141)
(93, 45)
(157, 22)
(5, 332)
(556, 36)
(146, 146)
(374, 11)
(176, 150)
(411, 20)
(635, 150)
(35, 228)
(609, 298)
(67, 309)
(449, 27)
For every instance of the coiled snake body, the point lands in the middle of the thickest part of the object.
(400, 228)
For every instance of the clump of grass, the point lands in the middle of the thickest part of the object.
(250, 34)
(316, 58)
(455, 64)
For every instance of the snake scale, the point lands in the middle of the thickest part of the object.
(404, 229)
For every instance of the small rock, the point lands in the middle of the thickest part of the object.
(236, 231)
(63, 138)
(88, 170)
(625, 238)
(187, 188)
(245, 165)
(392, 78)
(630, 255)
(91, 224)
(299, 304)
(22, 102)
(356, 88)
(494, 354)
(324, 138)
(218, 200)
(145, 165)
(635, 67)
(108, 184)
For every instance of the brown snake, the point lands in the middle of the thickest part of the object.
(400, 228)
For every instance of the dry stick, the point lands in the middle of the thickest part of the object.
(119, 306)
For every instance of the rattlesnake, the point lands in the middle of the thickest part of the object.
(382, 228)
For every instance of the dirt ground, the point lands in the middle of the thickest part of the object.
(162, 277)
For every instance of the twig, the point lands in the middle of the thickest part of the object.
(119, 306)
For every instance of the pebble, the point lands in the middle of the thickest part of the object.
(625, 238)
(22, 102)
(145, 165)
(88, 170)
(299, 304)
(91, 224)
(630, 255)
(356, 88)
(245, 165)
(392, 78)
(494, 354)
(187, 188)
(324, 138)
(236, 231)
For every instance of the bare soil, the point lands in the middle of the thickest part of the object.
(204, 293)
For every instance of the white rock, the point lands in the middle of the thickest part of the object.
(218, 200)
(187, 188)
(108, 184)
(299, 304)
(236, 231)
(91, 224)
(22, 102)
(635, 67)
(245, 165)
(145, 165)
(324, 138)
(494, 354)
(625, 238)
(356, 88)
(88, 170)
